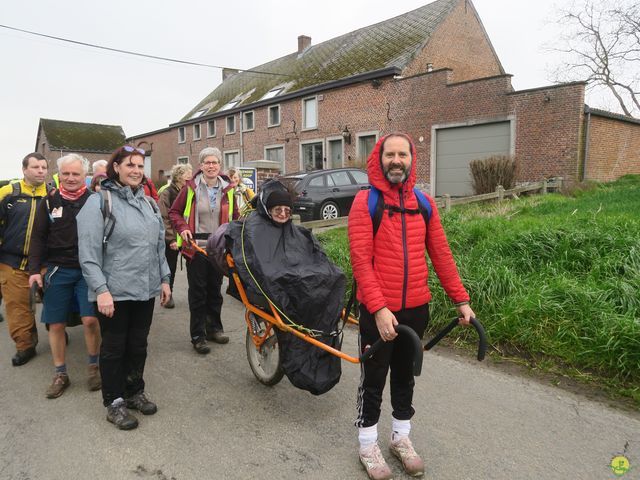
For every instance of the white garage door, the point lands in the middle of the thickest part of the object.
(457, 147)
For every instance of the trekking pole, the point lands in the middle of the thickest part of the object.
(482, 337)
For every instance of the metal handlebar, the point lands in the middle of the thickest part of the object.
(416, 347)
(482, 337)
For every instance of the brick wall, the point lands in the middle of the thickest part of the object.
(461, 44)
(613, 148)
(160, 146)
(548, 131)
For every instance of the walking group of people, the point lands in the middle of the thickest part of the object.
(106, 256)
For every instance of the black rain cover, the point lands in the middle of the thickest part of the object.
(299, 279)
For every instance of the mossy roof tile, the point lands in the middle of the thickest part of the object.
(82, 137)
(391, 43)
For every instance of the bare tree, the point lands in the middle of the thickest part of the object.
(601, 43)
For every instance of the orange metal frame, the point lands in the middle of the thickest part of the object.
(274, 319)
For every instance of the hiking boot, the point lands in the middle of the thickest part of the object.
(58, 386)
(118, 414)
(23, 356)
(201, 346)
(218, 336)
(411, 461)
(170, 303)
(94, 380)
(374, 463)
(140, 402)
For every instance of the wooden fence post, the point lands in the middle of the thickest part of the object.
(544, 186)
(500, 191)
(447, 202)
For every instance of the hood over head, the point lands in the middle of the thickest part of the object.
(270, 192)
(376, 173)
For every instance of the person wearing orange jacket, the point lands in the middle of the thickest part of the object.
(391, 273)
(205, 203)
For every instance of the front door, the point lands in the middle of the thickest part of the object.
(335, 154)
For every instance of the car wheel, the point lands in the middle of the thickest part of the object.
(329, 210)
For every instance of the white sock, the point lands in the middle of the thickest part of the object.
(117, 402)
(367, 436)
(399, 429)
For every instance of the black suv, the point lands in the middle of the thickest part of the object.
(325, 194)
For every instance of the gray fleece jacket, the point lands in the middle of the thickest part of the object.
(133, 264)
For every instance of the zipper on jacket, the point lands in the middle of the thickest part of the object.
(404, 250)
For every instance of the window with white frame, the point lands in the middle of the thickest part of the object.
(274, 116)
(231, 158)
(199, 113)
(196, 131)
(231, 125)
(182, 137)
(310, 113)
(275, 153)
(183, 160)
(247, 121)
(211, 128)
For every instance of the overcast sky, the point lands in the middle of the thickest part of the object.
(49, 79)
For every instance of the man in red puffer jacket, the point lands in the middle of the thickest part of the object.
(391, 273)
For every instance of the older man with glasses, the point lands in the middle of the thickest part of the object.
(202, 206)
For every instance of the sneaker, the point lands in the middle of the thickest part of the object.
(201, 346)
(94, 380)
(411, 461)
(23, 356)
(140, 402)
(374, 463)
(218, 336)
(58, 386)
(118, 414)
(170, 303)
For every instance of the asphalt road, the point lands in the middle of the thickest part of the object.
(216, 421)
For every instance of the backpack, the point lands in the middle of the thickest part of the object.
(110, 219)
(377, 207)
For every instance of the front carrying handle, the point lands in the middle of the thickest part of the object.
(416, 347)
(482, 337)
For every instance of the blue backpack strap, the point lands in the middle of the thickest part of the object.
(375, 202)
(424, 204)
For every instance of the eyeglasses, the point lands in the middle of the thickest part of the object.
(281, 210)
(209, 163)
(130, 149)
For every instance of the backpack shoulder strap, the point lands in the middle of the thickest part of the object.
(424, 204)
(107, 216)
(375, 202)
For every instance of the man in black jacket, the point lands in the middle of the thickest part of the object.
(54, 244)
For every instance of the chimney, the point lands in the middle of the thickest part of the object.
(303, 43)
(227, 72)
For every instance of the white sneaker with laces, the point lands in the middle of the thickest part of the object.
(374, 463)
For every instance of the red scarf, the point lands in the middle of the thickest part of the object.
(72, 196)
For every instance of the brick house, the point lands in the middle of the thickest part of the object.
(93, 141)
(432, 73)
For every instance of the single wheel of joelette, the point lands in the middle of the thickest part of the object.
(265, 360)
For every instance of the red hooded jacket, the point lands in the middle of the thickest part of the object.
(390, 268)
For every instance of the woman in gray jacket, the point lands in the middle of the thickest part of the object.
(121, 251)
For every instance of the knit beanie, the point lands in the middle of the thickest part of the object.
(279, 197)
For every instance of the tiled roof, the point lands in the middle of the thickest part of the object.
(82, 137)
(391, 43)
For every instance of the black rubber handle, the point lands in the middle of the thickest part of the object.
(482, 337)
(416, 347)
